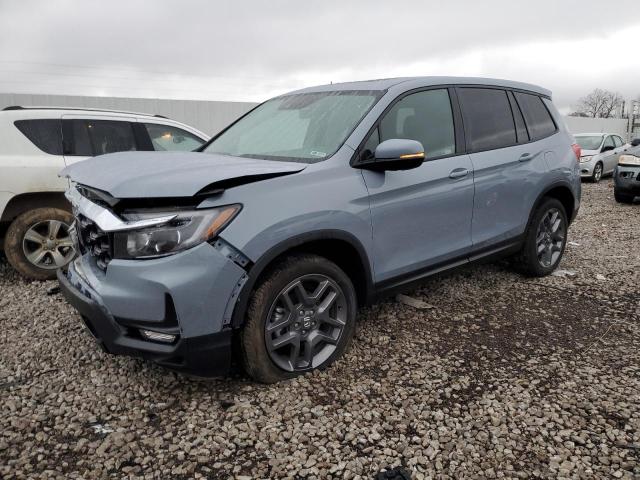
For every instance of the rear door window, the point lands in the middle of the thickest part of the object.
(76, 138)
(423, 116)
(46, 134)
(89, 137)
(538, 119)
(487, 116)
(108, 136)
(168, 138)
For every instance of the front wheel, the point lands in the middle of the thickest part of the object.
(37, 243)
(597, 173)
(300, 318)
(545, 239)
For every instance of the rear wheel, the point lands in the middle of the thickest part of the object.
(545, 239)
(597, 173)
(300, 318)
(623, 198)
(37, 243)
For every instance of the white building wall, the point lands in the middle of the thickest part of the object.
(208, 116)
(211, 116)
(598, 125)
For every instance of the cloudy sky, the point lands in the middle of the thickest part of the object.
(250, 50)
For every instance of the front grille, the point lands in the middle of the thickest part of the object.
(94, 241)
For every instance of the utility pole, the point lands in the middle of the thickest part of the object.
(633, 114)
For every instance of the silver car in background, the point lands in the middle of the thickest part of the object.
(600, 153)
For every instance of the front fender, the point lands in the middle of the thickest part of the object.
(292, 243)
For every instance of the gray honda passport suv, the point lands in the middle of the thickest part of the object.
(262, 246)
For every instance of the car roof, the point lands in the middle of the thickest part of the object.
(76, 110)
(24, 113)
(417, 82)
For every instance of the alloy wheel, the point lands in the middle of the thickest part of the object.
(305, 322)
(597, 172)
(48, 244)
(550, 237)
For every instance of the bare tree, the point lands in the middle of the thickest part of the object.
(599, 104)
(634, 108)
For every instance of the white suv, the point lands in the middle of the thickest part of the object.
(35, 144)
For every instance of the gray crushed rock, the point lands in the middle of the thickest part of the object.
(507, 377)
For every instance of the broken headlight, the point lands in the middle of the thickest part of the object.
(188, 229)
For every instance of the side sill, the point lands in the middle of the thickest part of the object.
(398, 284)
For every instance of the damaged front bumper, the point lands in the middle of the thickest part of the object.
(173, 310)
(627, 179)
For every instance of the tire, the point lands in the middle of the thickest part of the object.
(29, 238)
(597, 173)
(623, 198)
(270, 321)
(537, 236)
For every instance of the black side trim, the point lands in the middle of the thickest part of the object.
(264, 261)
(393, 285)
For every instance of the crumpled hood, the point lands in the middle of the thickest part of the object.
(170, 174)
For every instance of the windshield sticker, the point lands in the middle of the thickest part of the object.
(315, 153)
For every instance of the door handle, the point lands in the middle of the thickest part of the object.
(525, 157)
(458, 173)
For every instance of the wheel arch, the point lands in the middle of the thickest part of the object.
(24, 202)
(601, 163)
(562, 192)
(341, 247)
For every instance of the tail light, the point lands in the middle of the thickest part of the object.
(577, 150)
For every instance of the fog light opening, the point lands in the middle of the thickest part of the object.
(157, 336)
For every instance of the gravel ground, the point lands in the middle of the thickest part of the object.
(505, 377)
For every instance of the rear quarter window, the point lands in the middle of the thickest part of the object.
(538, 119)
(46, 134)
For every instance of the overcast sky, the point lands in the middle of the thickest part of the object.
(251, 50)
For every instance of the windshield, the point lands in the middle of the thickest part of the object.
(590, 142)
(305, 127)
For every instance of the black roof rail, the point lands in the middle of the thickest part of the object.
(89, 109)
